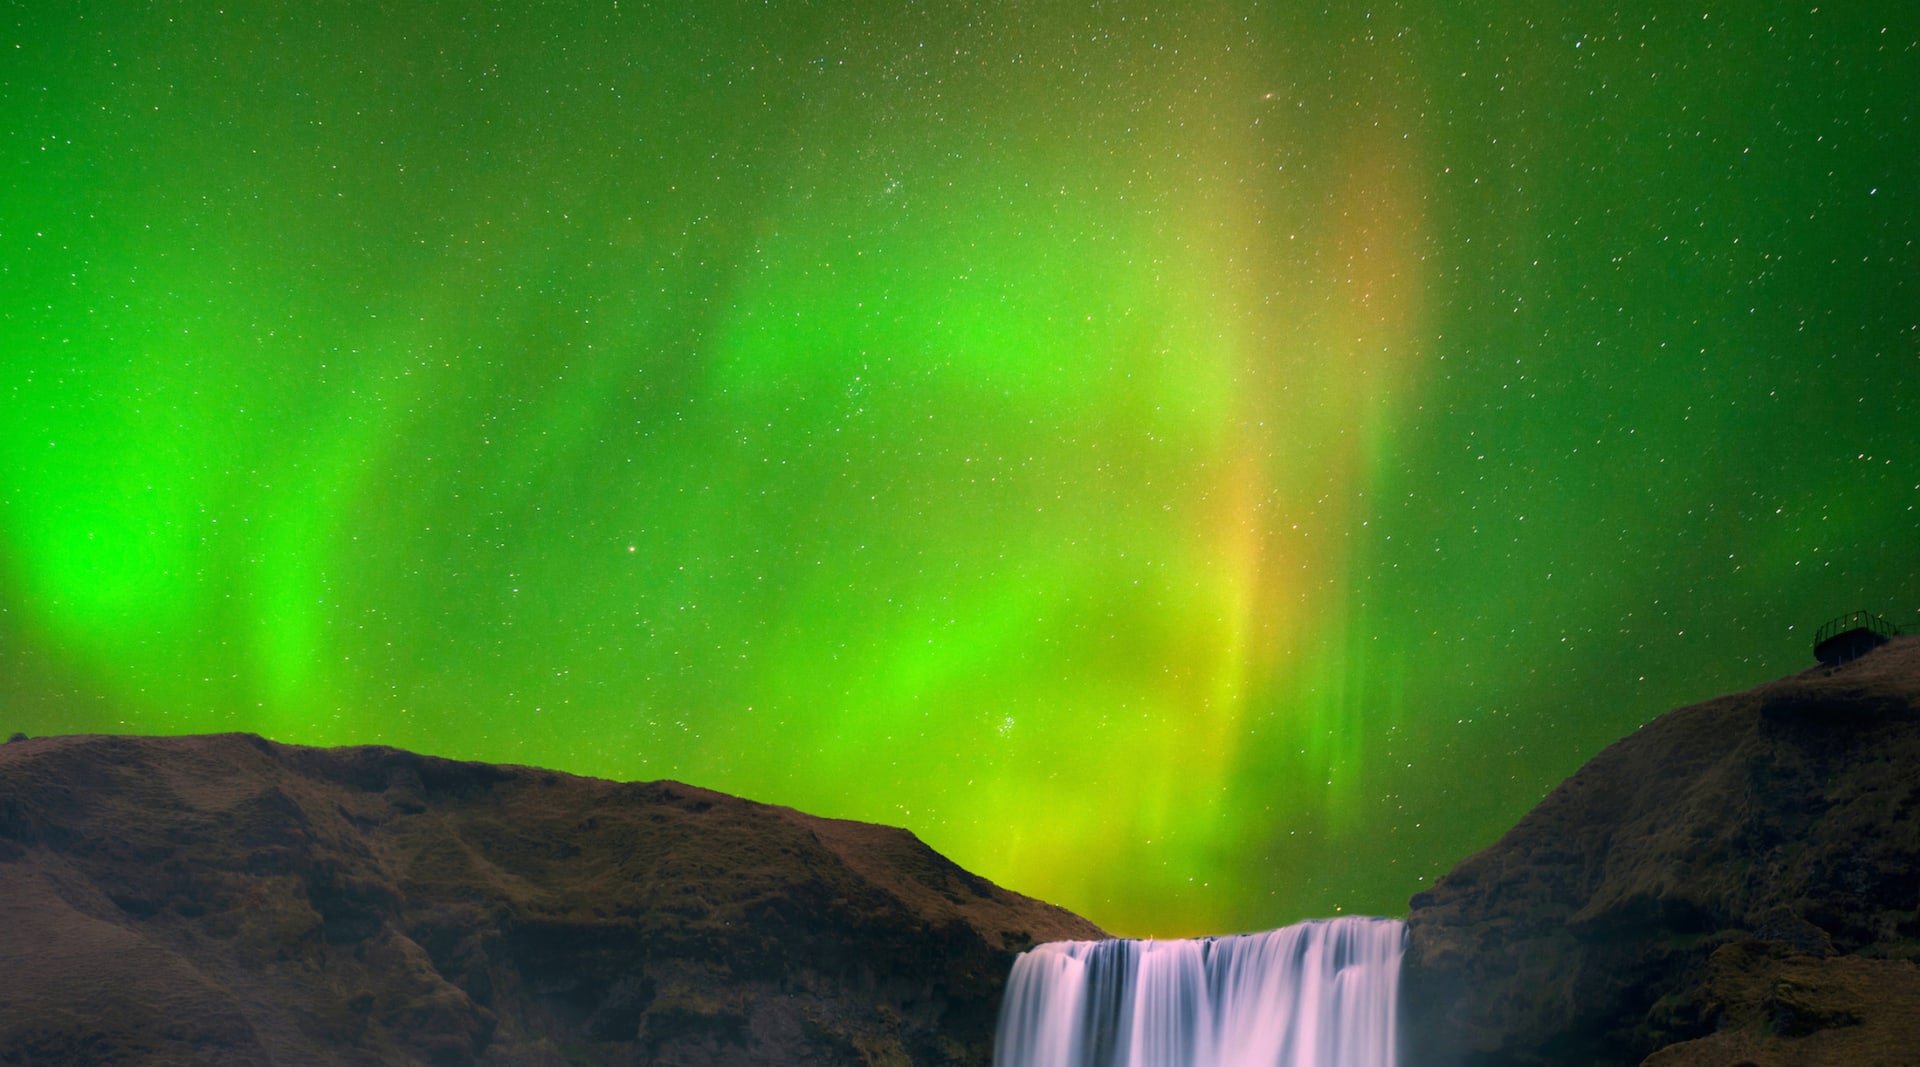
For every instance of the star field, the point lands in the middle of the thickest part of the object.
(1203, 465)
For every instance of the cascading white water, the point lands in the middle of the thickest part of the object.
(1315, 994)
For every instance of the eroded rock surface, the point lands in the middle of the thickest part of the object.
(1738, 882)
(228, 900)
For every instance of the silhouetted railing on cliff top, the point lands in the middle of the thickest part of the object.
(1851, 636)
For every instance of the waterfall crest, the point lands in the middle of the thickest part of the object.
(1315, 994)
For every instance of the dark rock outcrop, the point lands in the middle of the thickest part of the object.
(228, 900)
(1738, 882)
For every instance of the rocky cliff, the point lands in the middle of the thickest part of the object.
(1737, 883)
(227, 900)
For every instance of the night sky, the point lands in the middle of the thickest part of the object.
(1205, 465)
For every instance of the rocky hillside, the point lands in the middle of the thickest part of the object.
(1737, 883)
(227, 900)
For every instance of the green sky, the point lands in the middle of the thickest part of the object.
(1202, 464)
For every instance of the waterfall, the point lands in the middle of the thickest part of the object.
(1315, 994)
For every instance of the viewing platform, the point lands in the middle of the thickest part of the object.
(1851, 636)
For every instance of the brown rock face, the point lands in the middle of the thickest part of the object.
(1738, 882)
(227, 900)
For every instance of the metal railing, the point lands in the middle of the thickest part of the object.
(1857, 620)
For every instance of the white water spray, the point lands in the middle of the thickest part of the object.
(1315, 994)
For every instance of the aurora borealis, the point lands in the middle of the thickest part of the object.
(1203, 465)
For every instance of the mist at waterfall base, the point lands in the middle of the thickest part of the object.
(1159, 454)
(1315, 994)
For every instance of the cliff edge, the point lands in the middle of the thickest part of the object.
(1736, 884)
(228, 900)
